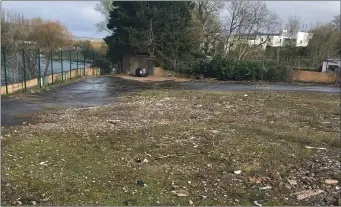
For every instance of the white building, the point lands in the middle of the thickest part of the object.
(301, 39)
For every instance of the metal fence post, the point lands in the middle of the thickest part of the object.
(84, 65)
(24, 69)
(70, 64)
(93, 60)
(77, 62)
(39, 72)
(93, 57)
(5, 68)
(61, 64)
(51, 66)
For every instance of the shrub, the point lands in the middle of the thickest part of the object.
(230, 69)
(104, 65)
(276, 72)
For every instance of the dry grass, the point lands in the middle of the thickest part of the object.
(192, 139)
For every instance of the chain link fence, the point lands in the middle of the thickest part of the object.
(22, 64)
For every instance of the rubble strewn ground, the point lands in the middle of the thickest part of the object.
(184, 146)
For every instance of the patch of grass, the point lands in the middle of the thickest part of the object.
(195, 140)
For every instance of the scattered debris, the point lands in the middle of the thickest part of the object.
(43, 163)
(245, 95)
(141, 183)
(255, 180)
(114, 121)
(19, 203)
(180, 193)
(190, 202)
(305, 172)
(319, 148)
(214, 131)
(292, 182)
(331, 182)
(287, 186)
(275, 176)
(237, 172)
(34, 203)
(264, 188)
(45, 199)
(165, 156)
(307, 194)
(257, 204)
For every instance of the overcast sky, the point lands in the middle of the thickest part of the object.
(80, 17)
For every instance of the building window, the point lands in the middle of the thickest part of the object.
(262, 39)
(301, 42)
(280, 40)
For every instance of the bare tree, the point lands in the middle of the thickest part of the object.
(244, 23)
(337, 22)
(86, 48)
(206, 14)
(15, 31)
(50, 36)
(324, 43)
(19, 33)
(104, 7)
(262, 22)
(293, 26)
(235, 19)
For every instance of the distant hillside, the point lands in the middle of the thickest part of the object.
(92, 39)
(95, 42)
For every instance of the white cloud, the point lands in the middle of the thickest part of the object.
(309, 12)
(88, 13)
(80, 17)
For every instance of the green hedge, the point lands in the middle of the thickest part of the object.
(230, 69)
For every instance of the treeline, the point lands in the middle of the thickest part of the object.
(163, 30)
(20, 34)
(180, 35)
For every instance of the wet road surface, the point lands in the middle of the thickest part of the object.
(95, 91)
(207, 86)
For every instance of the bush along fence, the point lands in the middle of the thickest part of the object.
(237, 70)
(252, 70)
(26, 67)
